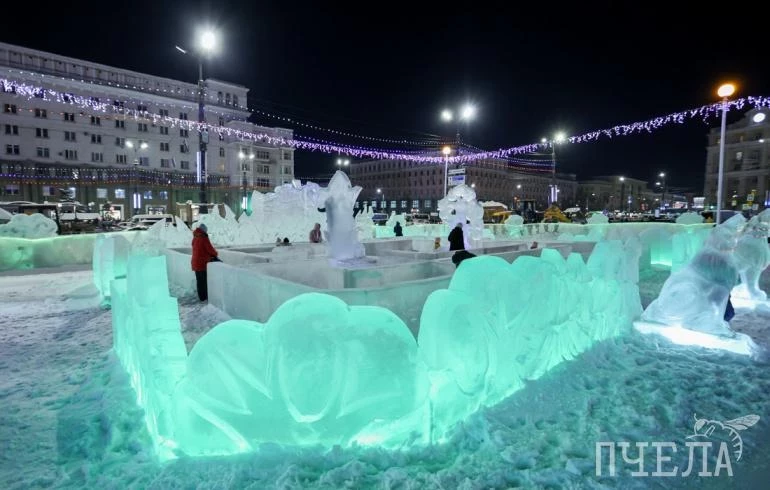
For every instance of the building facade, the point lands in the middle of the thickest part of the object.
(616, 193)
(115, 159)
(406, 186)
(746, 182)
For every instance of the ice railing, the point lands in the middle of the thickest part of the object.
(320, 372)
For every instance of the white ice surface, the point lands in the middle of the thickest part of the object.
(69, 417)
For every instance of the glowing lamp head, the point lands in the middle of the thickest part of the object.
(758, 117)
(446, 115)
(662, 174)
(241, 154)
(379, 191)
(726, 90)
(143, 145)
(622, 179)
(468, 113)
(130, 144)
(446, 151)
(208, 41)
(560, 137)
(518, 186)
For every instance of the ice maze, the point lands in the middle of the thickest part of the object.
(321, 372)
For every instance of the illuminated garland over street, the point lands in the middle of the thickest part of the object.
(648, 126)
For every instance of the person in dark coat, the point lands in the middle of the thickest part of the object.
(398, 230)
(456, 238)
(202, 253)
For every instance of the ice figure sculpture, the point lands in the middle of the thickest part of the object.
(598, 219)
(338, 199)
(29, 226)
(514, 225)
(489, 330)
(318, 372)
(290, 212)
(460, 206)
(364, 224)
(752, 255)
(689, 218)
(695, 297)
(162, 235)
(147, 338)
(109, 262)
(221, 224)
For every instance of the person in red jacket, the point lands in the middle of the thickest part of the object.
(202, 253)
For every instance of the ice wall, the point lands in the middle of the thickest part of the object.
(164, 235)
(147, 338)
(110, 260)
(29, 226)
(500, 324)
(321, 372)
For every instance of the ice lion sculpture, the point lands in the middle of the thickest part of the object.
(691, 306)
(460, 206)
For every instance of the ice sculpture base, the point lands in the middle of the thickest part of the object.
(739, 344)
(745, 303)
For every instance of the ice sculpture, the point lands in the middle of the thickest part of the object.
(162, 235)
(489, 330)
(110, 259)
(460, 206)
(695, 297)
(338, 199)
(686, 244)
(290, 212)
(598, 219)
(222, 225)
(393, 219)
(147, 339)
(318, 372)
(29, 226)
(514, 224)
(689, 218)
(364, 224)
(752, 256)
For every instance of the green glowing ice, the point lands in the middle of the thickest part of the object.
(320, 372)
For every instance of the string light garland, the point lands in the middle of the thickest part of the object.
(649, 126)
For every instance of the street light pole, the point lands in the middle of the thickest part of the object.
(622, 193)
(136, 199)
(202, 142)
(379, 191)
(446, 151)
(467, 113)
(724, 91)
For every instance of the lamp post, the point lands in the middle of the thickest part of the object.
(343, 162)
(446, 151)
(724, 91)
(206, 45)
(136, 198)
(379, 191)
(622, 193)
(559, 137)
(466, 114)
(244, 181)
(663, 183)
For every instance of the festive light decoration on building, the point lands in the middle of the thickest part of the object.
(704, 112)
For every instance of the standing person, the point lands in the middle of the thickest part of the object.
(315, 234)
(202, 253)
(456, 238)
(398, 230)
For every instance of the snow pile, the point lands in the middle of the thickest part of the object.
(689, 218)
(29, 226)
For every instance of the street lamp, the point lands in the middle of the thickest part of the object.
(137, 199)
(724, 91)
(379, 191)
(558, 138)
(343, 162)
(663, 184)
(446, 151)
(244, 180)
(465, 114)
(622, 192)
(207, 44)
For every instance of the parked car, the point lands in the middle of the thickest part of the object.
(379, 219)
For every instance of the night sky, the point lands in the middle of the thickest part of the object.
(387, 69)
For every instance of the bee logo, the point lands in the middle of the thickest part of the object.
(704, 428)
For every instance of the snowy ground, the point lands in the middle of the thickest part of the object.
(68, 418)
